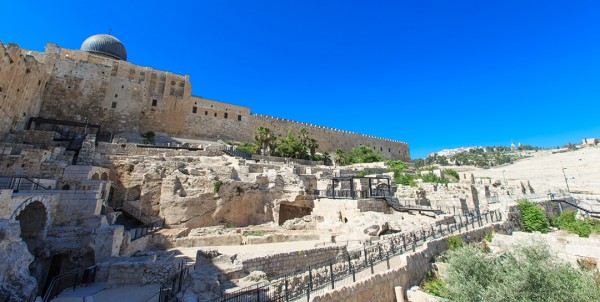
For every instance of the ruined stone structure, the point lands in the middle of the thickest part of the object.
(96, 85)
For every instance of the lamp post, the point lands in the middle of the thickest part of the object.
(566, 180)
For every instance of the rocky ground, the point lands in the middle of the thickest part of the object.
(544, 170)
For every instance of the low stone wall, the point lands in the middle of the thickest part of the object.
(380, 287)
(277, 159)
(285, 263)
(108, 149)
(136, 270)
(373, 205)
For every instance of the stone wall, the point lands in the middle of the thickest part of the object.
(14, 264)
(284, 263)
(373, 205)
(380, 287)
(121, 96)
(22, 80)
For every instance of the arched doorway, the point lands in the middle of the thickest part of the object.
(33, 220)
(104, 176)
(96, 176)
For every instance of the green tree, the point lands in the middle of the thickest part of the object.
(265, 140)
(312, 147)
(149, 137)
(530, 272)
(290, 146)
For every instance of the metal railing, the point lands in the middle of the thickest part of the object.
(233, 151)
(150, 225)
(174, 283)
(74, 279)
(137, 233)
(20, 183)
(346, 268)
(352, 194)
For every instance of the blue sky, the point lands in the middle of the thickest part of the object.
(435, 74)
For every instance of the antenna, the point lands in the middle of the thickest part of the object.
(109, 31)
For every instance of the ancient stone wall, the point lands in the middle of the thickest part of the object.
(22, 80)
(121, 96)
(373, 205)
(278, 264)
(380, 286)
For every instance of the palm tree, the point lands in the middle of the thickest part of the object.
(265, 140)
(312, 146)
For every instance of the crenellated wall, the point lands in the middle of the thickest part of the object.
(120, 96)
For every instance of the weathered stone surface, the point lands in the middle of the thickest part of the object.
(15, 280)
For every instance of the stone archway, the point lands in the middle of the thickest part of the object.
(33, 220)
(104, 176)
(96, 176)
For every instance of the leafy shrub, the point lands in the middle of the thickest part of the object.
(254, 233)
(530, 272)
(430, 177)
(247, 147)
(489, 236)
(452, 173)
(230, 225)
(435, 286)
(217, 185)
(567, 221)
(454, 242)
(534, 217)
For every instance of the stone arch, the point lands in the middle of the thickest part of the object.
(104, 176)
(66, 187)
(33, 218)
(96, 176)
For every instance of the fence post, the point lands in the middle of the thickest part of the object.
(433, 231)
(467, 223)
(388, 260)
(379, 250)
(486, 218)
(310, 279)
(448, 226)
(308, 291)
(351, 269)
(372, 271)
(441, 229)
(460, 225)
(331, 274)
(404, 240)
(287, 294)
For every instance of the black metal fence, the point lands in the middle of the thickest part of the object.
(345, 269)
(352, 194)
(169, 289)
(151, 223)
(74, 279)
(235, 152)
(20, 183)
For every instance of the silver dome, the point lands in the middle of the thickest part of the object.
(106, 45)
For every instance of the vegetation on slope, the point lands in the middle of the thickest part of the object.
(528, 273)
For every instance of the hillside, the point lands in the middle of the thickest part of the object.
(544, 170)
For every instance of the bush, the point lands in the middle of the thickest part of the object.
(247, 147)
(435, 286)
(452, 173)
(528, 273)
(534, 217)
(454, 243)
(489, 236)
(567, 221)
(217, 185)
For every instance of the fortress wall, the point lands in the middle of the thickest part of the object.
(121, 96)
(330, 139)
(22, 79)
